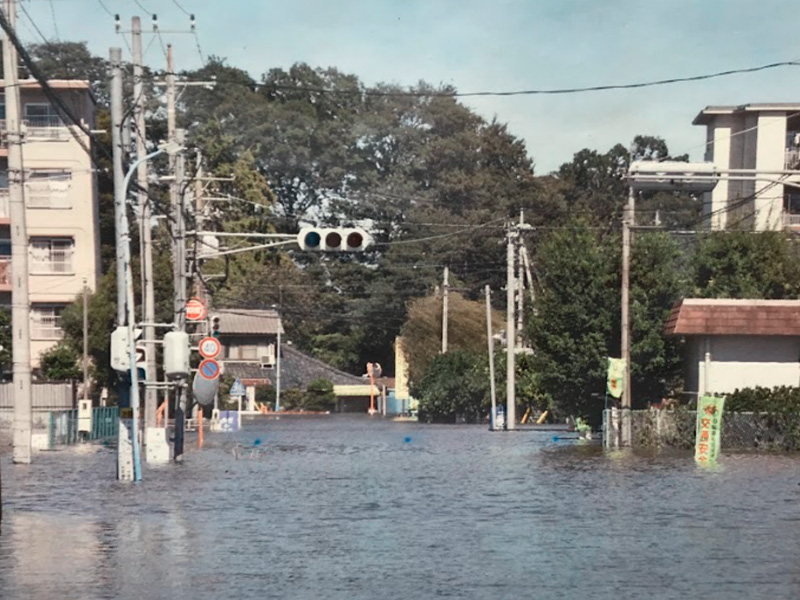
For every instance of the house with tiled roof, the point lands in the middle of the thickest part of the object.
(734, 344)
(250, 345)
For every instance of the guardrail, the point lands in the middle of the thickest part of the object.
(62, 427)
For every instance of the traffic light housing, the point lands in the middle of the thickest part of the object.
(215, 326)
(336, 239)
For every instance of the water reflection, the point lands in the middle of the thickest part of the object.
(348, 508)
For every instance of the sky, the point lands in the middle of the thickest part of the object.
(488, 45)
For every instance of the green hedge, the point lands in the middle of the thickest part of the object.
(781, 399)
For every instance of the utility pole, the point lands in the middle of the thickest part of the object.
(179, 276)
(145, 229)
(490, 341)
(20, 301)
(445, 307)
(511, 400)
(627, 223)
(278, 355)
(520, 284)
(85, 340)
(119, 175)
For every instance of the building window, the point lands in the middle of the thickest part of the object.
(42, 115)
(51, 255)
(46, 321)
(48, 189)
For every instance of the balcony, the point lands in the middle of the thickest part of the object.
(792, 158)
(791, 222)
(5, 273)
(45, 128)
(5, 214)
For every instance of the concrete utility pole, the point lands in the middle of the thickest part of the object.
(85, 340)
(117, 155)
(511, 400)
(145, 229)
(445, 307)
(490, 342)
(627, 223)
(179, 275)
(20, 301)
(520, 285)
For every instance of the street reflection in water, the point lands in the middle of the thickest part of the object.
(342, 507)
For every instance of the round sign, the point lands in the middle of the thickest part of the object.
(196, 310)
(208, 369)
(209, 347)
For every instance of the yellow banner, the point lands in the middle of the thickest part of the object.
(616, 377)
(709, 429)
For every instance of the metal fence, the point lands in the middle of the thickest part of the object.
(44, 396)
(740, 430)
(63, 426)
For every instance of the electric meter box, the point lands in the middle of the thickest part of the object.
(176, 355)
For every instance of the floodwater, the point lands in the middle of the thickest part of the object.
(350, 508)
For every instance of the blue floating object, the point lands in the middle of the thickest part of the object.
(407, 440)
(555, 438)
(257, 442)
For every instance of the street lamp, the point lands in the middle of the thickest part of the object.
(651, 175)
(128, 300)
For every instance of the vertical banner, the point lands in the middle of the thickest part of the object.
(709, 429)
(616, 377)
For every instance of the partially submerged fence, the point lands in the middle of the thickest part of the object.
(740, 430)
(63, 426)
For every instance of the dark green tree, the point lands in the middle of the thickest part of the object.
(60, 363)
(746, 265)
(454, 385)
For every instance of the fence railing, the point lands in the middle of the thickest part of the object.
(63, 426)
(740, 430)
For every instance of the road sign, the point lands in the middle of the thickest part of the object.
(237, 389)
(209, 369)
(196, 310)
(209, 347)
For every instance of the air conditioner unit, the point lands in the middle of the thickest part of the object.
(267, 362)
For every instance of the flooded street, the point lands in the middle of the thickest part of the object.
(347, 508)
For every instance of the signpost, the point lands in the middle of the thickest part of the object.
(209, 369)
(238, 391)
(209, 347)
(196, 310)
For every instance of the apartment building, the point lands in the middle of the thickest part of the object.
(61, 207)
(762, 137)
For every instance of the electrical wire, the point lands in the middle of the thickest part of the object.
(55, 21)
(531, 92)
(186, 12)
(105, 8)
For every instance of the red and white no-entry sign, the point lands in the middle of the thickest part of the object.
(209, 347)
(196, 310)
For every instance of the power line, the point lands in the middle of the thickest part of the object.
(32, 22)
(186, 12)
(55, 21)
(531, 92)
(105, 8)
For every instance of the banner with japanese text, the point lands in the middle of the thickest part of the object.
(709, 429)
(616, 377)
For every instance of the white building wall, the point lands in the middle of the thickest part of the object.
(770, 155)
(738, 362)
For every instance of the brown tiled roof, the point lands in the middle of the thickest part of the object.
(704, 316)
(243, 321)
(297, 371)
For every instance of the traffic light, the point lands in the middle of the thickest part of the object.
(338, 239)
(215, 326)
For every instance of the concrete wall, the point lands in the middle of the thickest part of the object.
(749, 139)
(742, 361)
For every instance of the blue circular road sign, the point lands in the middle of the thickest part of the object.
(209, 369)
